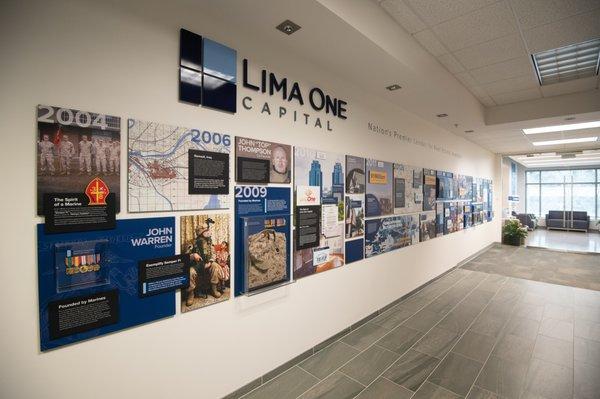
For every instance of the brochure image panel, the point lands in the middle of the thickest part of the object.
(428, 226)
(262, 162)
(465, 187)
(478, 194)
(445, 185)
(328, 255)
(262, 237)
(205, 240)
(355, 175)
(429, 195)
(408, 189)
(324, 170)
(440, 219)
(459, 222)
(468, 215)
(379, 189)
(355, 250)
(390, 233)
(88, 282)
(75, 148)
(355, 215)
(449, 217)
(160, 177)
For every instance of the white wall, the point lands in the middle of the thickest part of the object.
(111, 59)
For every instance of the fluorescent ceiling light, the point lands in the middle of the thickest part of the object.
(575, 61)
(562, 128)
(565, 141)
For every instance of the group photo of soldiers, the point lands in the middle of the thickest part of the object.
(64, 153)
(70, 156)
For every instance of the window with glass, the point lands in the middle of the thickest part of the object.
(557, 190)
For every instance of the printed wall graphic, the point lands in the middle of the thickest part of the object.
(390, 233)
(262, 162)
(379, 188)
(325, 172)
(468, 215)
(205, 239)
(321, 169)
(465, 187)
(73, 148)
(158, 178)
(440, 219)
(445, 185)
(355, 250)
(429, 187)
(88, 282)
(355, 215)
(459, 223)
(408, 189)
(355, 175)
(308, 195)
(427, 226)
(262, 237)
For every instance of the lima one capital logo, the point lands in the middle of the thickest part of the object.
(207, 72)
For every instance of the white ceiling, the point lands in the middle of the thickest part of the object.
(486, 44)
(583, 158)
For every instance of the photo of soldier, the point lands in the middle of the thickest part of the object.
(46, 150)
(71, 154)
(205, 239)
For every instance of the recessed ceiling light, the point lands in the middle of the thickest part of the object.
(570, 118)
(288, 27)
(393, 87)
(469, 131)
(442, 115)
(565, 141)
(575, 61)
(562, 128)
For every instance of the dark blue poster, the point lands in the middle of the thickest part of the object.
(88, 282)
(355, 250)
(262, 237)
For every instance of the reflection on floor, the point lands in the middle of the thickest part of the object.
(557, 267)
(564, 240)
(467, 335)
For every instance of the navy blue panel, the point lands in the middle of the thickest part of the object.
(131, 241)
(355, 250)
(190, 50)
(219, 94)
(190, 86)
(219, 60)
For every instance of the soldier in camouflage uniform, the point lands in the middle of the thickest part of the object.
(205, 272)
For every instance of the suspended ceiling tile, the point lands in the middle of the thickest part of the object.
(466, 79)
(564, 32)
(479, 26)
(492, 52)
(428, 40)
(503, 70)
(516, 96)
(434, 12)
(572, 86)
(403, 15)
(451, 64)
(533, 13)
(528, 81)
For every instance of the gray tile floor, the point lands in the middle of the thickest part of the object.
(467, 335)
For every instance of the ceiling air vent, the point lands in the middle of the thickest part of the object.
(567, 63)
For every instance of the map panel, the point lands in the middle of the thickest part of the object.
(158, 167)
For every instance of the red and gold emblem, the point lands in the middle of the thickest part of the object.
(97, 191)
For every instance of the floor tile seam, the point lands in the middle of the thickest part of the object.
(413, 345)
(353, 379)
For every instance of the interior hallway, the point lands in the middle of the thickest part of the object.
(469, 334)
